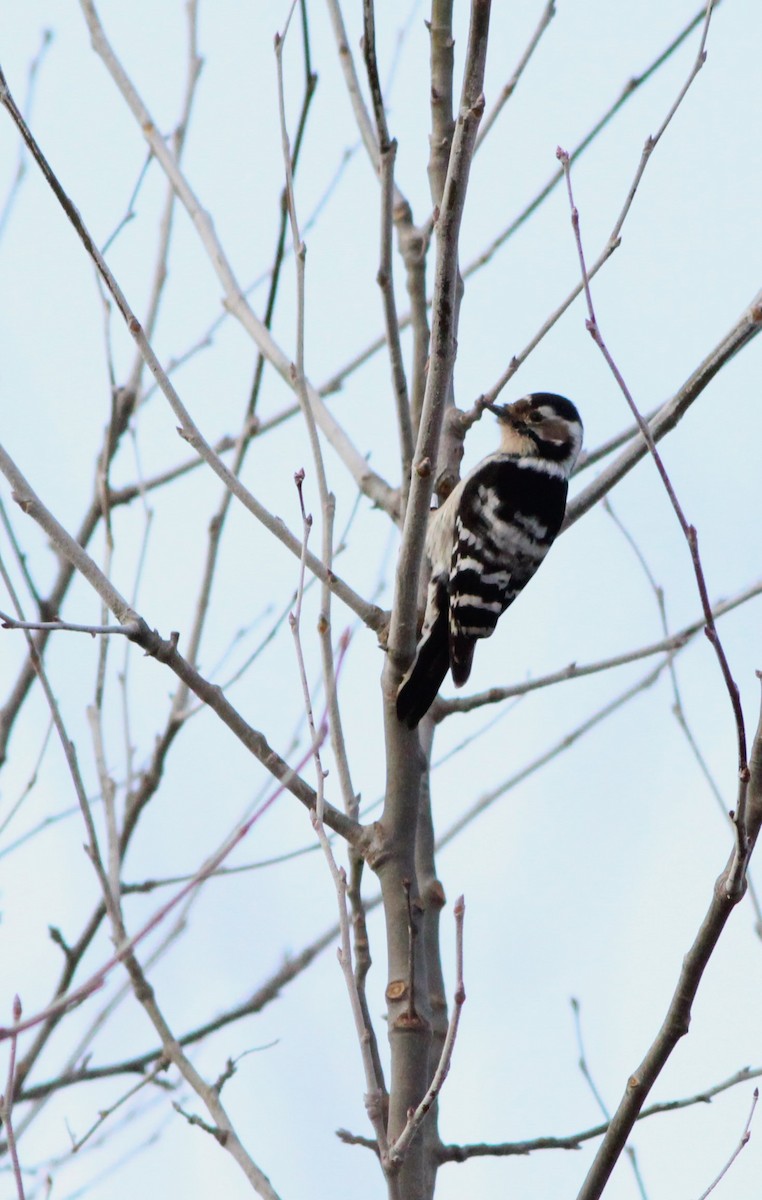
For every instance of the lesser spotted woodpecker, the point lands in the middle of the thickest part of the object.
(488, 538)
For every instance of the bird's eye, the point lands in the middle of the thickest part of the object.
(536, 418)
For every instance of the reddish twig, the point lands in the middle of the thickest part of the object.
(73, 998)
(689, 530)
(743, 1142)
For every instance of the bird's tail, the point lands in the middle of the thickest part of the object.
(418, 690)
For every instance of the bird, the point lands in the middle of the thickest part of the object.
(487, 539)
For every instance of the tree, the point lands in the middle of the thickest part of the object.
(192, 679)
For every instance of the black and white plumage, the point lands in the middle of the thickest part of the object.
(489, 537)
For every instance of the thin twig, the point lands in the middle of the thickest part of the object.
(385, 278)
(108, 792)
(188, 430)
(588, 1077)
(21, 557)
(336, 381)
(166, 651)
(741, 1145)
(92, 848)
(574, 1141)
(614, 239)
(30, 784)
(689, 532)
(251, 426)
(725, 897)
(126, 402)
(327, 499)
(6, 1105)
(743, 331)
(81, 1051)
(264, 995)
(489, 797)
(675, 641)
(589, 458)
(375, 1099)
(126, 944)
(310, 85)
(295, 623)
(222, 1128)
(21, 165)
(352, 83)
(678, 707)
(509, 88)
(105, 1113)
(367, 479)
(9, 622)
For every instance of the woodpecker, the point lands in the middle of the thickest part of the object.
(489, 537)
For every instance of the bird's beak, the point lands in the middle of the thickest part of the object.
(501, 411)
(513, 414)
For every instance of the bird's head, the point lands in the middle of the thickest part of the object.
(541, 425)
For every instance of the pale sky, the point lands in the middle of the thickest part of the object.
(591, 877)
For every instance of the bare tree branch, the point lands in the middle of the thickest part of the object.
(394, 854)
(588, 1077)
(727, 895)
(509, 88)
(743, 331)
(574, 1141)
(335, 382)
(165, 651)
(6, 1107)
(235, 300)
(741, 1145)
(416, 1118)
(689, 531)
